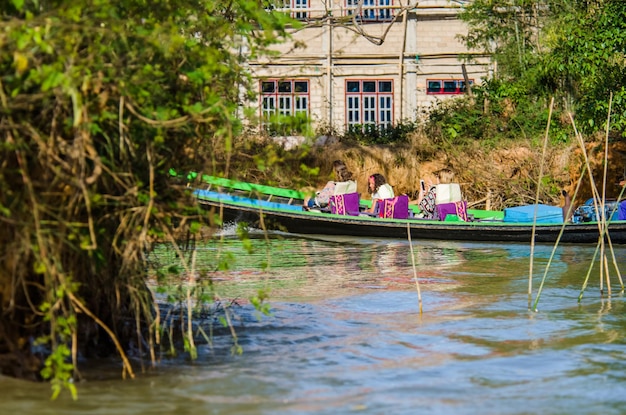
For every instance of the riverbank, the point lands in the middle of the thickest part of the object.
(491, 177)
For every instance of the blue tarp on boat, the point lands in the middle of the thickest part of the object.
(527, 213)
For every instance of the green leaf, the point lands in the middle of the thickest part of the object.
(53, 80)
(19, 4)
(39, 267)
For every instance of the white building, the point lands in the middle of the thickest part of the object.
(356, 64)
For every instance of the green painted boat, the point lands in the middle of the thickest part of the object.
(281, 209)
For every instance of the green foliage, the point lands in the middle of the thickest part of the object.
(59, 372)
(496, 112)
(58, 368)
(244, 235)
(284, 125)
(507, 30)
(98, 101)
(259, 302)
(588, 57)
(326, 129)
(569, 50)
(371, 134)
(456, 119)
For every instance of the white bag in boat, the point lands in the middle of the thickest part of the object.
(448, 193)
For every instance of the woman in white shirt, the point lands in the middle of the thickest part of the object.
(379, 189)
(342, 184)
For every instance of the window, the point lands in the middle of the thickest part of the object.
(372, 10)
(297, 8)
(446, 86)
(369, 103)
(300, 4)
(283, 103)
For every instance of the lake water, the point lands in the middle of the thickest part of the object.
(346, 336)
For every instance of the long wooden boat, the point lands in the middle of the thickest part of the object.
(281, 209)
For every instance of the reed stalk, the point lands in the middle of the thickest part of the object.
(586, 281)
(417, 284)
(604, 218)
(604, 221)
(556, 245)
(602, 225)
(602, 235)
(617, 271)
(532, 238)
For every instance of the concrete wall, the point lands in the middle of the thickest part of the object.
(420, 44)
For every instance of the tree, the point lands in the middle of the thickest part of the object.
(99, 99)
(587, 59)
(509, 30)
(570, 50)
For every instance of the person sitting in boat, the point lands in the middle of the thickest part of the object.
(342, 184)
(443, 191)
(379, 189)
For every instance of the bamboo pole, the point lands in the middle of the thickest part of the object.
(604, 218)
(603, 223)
(586, 281)
(595, 204)
(617, 271)
(556, 244)
(602, 235)
(417, 284)
(532, 238)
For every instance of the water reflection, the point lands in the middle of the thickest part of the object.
(346, 336)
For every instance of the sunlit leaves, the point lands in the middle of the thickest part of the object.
(260, 303)
(589, 56)
(39, 267)
(59, 371)
(244, 236)
(19, 4)
(20, 61)
(129, 92)
(195, 227)
(573, 50)
(226, 261)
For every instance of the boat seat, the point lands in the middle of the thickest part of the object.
(342, 188)
(397, 207)
(345, 204)
(448, 193)
(453, 208)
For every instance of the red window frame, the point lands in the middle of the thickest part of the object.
(369, 102)
(449, 86)
(284, 96)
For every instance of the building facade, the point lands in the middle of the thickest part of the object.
(360, 64)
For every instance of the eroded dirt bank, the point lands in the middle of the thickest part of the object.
(490, 177)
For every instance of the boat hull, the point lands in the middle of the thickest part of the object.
(298, 221)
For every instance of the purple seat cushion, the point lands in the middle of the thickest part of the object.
(397, 208)
(454, 208)
(346, 204)
(621, 211)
